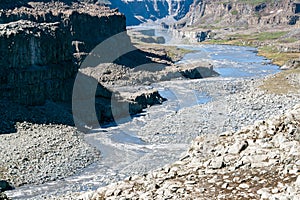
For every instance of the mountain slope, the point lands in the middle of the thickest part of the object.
(137, 11)
(242, 13)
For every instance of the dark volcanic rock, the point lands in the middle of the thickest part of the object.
(42, 46)
(37, 63)
(38, 54)
(36, 50)
(4, 186)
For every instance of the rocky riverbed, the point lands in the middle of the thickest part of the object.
(235, 103)
(260, 161)
(229, 156)
(198, 107)
(236, 151)
(227, 160)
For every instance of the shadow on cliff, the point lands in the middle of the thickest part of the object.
(39, 90)
(61, 112)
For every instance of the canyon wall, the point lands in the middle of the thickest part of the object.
(42, 46)
(39, 51)
(241, 13)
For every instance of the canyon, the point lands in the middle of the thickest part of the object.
(58, 70)
(42, 48)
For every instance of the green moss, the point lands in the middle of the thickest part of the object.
(279, 83)
(249, 39)
(256, 2)
(288, 40)
(278, 58)
(234, 12)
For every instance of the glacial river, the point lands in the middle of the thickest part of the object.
(124, 154)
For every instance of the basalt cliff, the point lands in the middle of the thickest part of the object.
(39, 46)
(43, 45)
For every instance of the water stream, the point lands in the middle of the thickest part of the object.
(123, 153)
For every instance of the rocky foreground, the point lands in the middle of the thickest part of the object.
(260, 161)
(40, 153)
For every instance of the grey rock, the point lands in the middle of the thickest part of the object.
(238, 147)
(216, 163)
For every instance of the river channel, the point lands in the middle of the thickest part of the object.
(124, 153)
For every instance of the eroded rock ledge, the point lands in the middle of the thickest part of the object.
(259, 161)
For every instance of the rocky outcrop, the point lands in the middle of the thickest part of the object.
(37, 61)
(197, 72)
(137, 11)
(4, 186)
(241, 13)
(192, 36)
(3, 196)
(258, 162)
(42, 46)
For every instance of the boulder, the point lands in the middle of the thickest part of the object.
(4, 186)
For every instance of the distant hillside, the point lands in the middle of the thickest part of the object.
(242, 13)
(138, 11)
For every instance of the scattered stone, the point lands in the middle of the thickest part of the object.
(225, 185)
(244, 186)
(216, 163)
(238, 147)
(51, 152)
(213, 179)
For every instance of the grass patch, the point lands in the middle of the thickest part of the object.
(175, 53)
(288, 40)
(279, 83)
(212, 27)
(278, 58)
(234, 12)
(256, 2)
(171, 52)
(270, 35)
(249, 39)
(263, 36)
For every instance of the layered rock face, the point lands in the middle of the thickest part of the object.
(36, 62)
(39, 47)
(137, 11)
(42, 46)
(242, 13)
